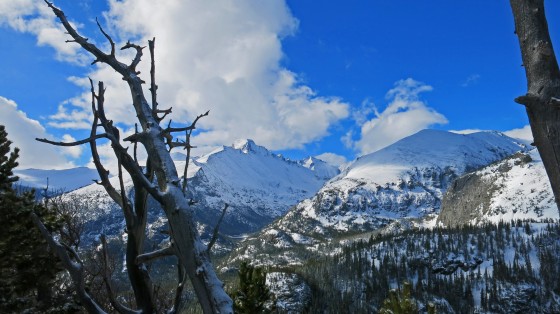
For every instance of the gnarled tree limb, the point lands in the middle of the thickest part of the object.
(77, 143)
(147, 257)
(74, 268)
(217, 228)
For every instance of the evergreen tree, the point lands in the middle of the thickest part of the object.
(253, 296)
(27, 267)
(398, 303)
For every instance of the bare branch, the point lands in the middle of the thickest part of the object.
(127, 207)
(188, 140)
(216, 229)
(108, 38)
(165, 113)
(82, 41)
(84, 141)
(153, 86)
(179, 301)
(527, 100)
(147, 257)
(107, 279)
(75, 269)
(135, 143)
(138, 56)
(134, 138)
(178, 143)
(103, 173)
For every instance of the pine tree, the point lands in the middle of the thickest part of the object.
(27, 267)
(398, 303)
(253, 296)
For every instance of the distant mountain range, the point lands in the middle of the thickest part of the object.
(381, 212)
(405, 180)
(395, 188)
(56, 180)
(402, 183)
(258, 185)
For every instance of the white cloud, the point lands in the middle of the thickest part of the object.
(219, 55)
(523, 133)
(73, 151)
(406, 114)
(23, 130)
(333, 159)
(35, 17)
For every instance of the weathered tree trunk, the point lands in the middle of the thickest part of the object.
(138, 274)
(192, 253)
(542, 100)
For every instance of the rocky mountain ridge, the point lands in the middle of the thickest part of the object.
(258, 186)
(400, 185)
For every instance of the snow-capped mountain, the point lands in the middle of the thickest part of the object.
(321, 168)
(405, 180)
(514, 188)
(56, 180)
(258, 186)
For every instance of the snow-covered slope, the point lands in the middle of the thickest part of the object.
(405, 180)
(514, 188)
(321, 168)
(57, 180)
(258, 185)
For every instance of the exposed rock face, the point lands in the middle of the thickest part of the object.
(467, 194)
(514, 188)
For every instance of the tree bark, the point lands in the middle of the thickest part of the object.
(189, 248)
(542, 100)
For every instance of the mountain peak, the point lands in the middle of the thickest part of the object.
(321, 168)
(248, 146)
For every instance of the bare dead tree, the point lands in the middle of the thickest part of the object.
(542, 100)
(159, 180)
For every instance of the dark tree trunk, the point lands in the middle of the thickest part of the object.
(542, 100)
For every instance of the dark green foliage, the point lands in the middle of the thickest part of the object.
(358, 279)
(399, 303)
(7, 162)
(252, 296)
(28, 270)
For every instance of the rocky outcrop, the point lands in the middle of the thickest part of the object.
(514, 188)
(461, 201)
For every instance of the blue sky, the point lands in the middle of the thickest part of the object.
(301, 77)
